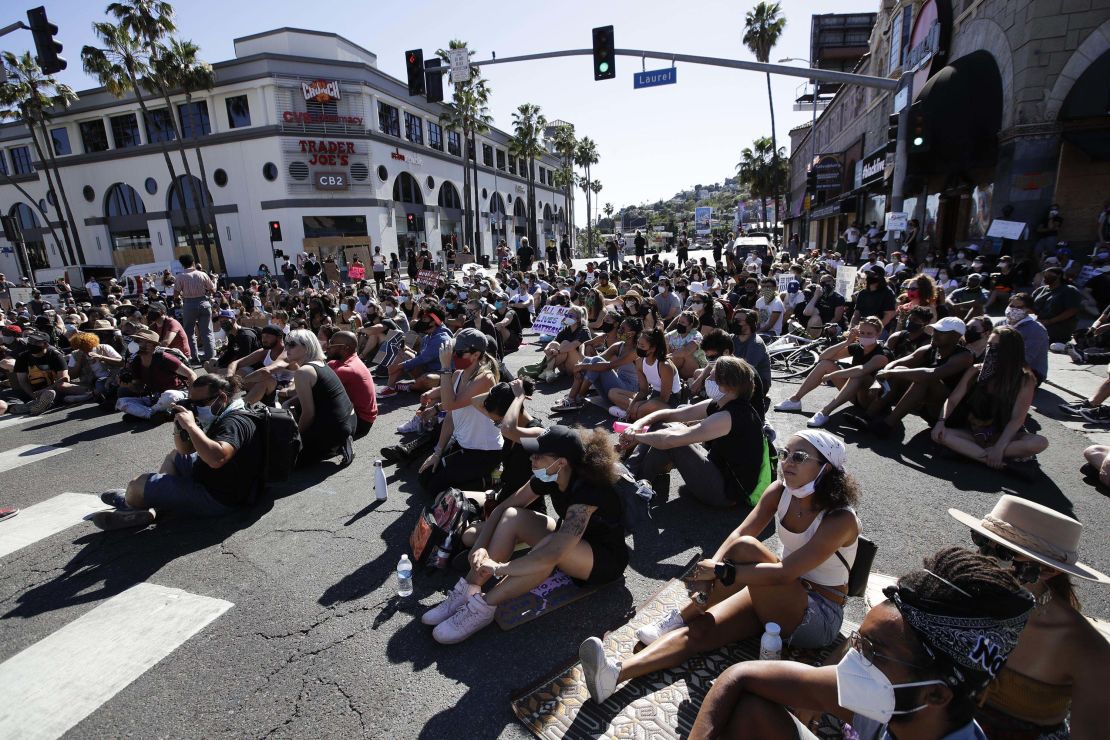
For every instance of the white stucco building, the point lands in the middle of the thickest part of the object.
(301, 128)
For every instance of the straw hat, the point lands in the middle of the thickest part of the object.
(1035, 532)
(145, 335)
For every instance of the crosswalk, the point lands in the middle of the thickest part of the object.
(27, 454)
(46, 519)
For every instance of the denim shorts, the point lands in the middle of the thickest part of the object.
(820, 624)
(181, 492)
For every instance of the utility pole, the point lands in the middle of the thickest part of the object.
(901, 154)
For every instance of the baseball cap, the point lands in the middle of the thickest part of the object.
(38, 337)
(948, 323)
(470, 340)
(227, 313)
(559, 441)
(975, 276)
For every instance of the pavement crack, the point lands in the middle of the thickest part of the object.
(350, 701)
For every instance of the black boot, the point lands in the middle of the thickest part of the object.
(407, 450)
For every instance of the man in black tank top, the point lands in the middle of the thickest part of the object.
(922, 381)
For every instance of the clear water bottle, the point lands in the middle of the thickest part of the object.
(404, 576)
(380, 488)
(495, 477)
(770, 645)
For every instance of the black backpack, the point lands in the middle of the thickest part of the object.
(281, 441)
(448, 516)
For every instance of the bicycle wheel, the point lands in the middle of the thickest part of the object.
(793, 363)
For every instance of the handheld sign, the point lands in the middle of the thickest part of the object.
(846, 281)
(426, 277)
(1006, 229)
(549, 320)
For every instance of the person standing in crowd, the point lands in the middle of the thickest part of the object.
(96, 293)
(195, 288)
(552, 254)
(525, 254)
(611, 254)
(378, 266)
(1052, 684)
(916, 668)
(564, 251)
(288, 272)
(325, 416)
(356, 379)
(745, 584)
(639, 243)
(576, 470)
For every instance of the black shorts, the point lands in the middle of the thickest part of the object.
(610, 560)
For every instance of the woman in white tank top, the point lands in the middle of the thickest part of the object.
(745, 584)
(658, 380)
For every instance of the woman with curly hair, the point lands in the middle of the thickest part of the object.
(920, 291)
(745, 584)
(576, 469)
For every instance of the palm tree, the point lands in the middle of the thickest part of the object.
(608, 210)
(468, 114)
(585, 156)
(763, 25)
(32, 97)
(151, 21)
(565, 144)
(757, 168)
(118, 64)
(528, 126)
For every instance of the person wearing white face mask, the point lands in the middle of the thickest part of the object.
(717, 445)
(745, 584)
(1019, 315)
(914, 670)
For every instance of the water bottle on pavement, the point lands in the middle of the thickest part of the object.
(404, 576)
(380, 489)
(770, 645)
(443, 554)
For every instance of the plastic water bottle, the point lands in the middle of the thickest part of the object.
(770, 645)
(404, 576)
(380, 489)
(495, 477)
(443, 554)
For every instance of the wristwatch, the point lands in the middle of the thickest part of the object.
(725, 572)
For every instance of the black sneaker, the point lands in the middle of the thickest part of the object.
(108, 520)
(1075, 408)
(348, 453)
(115, 497)
(1096, 415)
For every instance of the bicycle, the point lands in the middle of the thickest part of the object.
(794, 354)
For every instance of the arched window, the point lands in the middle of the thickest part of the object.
(407, 190)
(547, 212)
(519, 210)
(496, 203)
(449, 197)
(25, 215)
(173, 203)
(122, 200)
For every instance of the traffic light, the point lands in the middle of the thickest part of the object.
(411, 219)
(892, 133)
(918, 135)
(414, 66)
(811, 181)
(275, 231)
(433, 80)
(605, 67)
(48, 49)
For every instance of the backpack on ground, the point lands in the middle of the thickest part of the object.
(635, 497)
(449, 515)
(281, 441)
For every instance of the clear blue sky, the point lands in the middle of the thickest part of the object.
(652, 142)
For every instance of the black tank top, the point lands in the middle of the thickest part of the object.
(334, 410)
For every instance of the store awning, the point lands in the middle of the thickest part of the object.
(962, 109)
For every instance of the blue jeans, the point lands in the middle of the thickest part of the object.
(197, 313)
(181, 492)
(606, 380)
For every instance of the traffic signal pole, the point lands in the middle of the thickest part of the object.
(901, 158)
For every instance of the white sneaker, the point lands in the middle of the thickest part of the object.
(789, 405)
(818, 420)
(600, 671)
(618, 413)
(454, 601)
(649, 633)
(473, 616)
(412, 425)
(1058, 347)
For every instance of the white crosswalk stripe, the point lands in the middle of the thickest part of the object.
(11, 420)
(26, 454)
(63, 678)
(45, 519)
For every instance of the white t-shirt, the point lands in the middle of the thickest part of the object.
(765, 310)
(379, 262)
(851, 235)
(753, 263)
(94, 289)
(99, 369)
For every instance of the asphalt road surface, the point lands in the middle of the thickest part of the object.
(284, 622)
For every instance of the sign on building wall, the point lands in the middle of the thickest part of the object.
(312, 164)
(322, 91)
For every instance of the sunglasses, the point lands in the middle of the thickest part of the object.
(1026, 571)
(797, 456)
(461, 352)
(867, 650)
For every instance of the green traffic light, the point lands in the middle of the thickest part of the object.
(918, 141)
(603, 67)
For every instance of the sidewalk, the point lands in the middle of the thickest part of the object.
(1074, 382)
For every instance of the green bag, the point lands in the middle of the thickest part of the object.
(532, 371)
(766, 476)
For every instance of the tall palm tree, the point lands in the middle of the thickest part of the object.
(585, 156)
(32, 97)
(468, 114)
(565, 144)
(119, 63)
(528, 126)
(763, 26)
(757, 170)
(151, 22)
(608, 210)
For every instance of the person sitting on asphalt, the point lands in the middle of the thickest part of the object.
(984, 417)
(916, 668)
(717, 445)
(749, 346)
(977, 334)
(424, 366)
(1056, 675)
(969, 301)
(1057, 305)
(921, 382)
(469, 446)
(684, 345)
(745, 584)
(93, 364)
(702, 385)
(241, 342)
(41, 374)
(213, 470)
(344, 360)
(562, 353)
(169, 329)
(325, 416)
(1019, 315)
(657, 380)
(825, 306)
(153, 380)
(576, 470)
(615, 368)
(868, 356)
(273, 375)
(876, 300)
(912, 336)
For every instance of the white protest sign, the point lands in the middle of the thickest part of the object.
(784, 281)
(1006, 229)
(550, 320)
(846, 281)
(897, 221)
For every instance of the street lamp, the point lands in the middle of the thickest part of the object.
(812, 137)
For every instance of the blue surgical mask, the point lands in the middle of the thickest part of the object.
(205, 415)
(543, 476)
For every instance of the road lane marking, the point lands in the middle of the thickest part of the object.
(10, 420)
(43, 520)
(25, 454)
(63, 678)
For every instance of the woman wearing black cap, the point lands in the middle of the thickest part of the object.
(577, 470)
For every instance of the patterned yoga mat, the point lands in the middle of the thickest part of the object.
(661, 705)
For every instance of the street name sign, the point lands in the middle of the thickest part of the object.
(655, 77)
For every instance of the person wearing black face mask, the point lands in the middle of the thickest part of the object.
(615, 368)
(878, 300)
(913, 337)
(241, 342)
(39, 374)
(684, 345)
